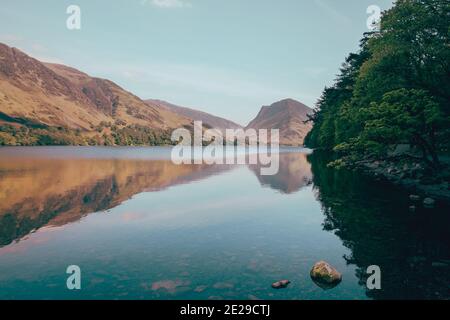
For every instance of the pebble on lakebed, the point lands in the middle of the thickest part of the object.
(429, 203)
(280, 284)
(325, 276)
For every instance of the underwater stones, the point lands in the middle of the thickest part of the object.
(200, 289)
(170, 286)
(429, 202)
(280, 284)
(414, 197)
(325, 276)
(223, 285)
(412, 208)
(322, 274)
(440, 264)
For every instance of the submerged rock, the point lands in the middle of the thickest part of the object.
(414, 197)
(429, 202)
(325, 276)
(412, 208)
(280, 284)
(439, 264)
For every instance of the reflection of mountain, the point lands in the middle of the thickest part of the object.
(38, 192)
(294, 173)
(373, 221)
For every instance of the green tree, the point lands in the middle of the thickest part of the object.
(395, 90)
(7, 139)
(402, 117)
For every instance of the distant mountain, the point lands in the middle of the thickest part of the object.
(52, 104)
(288, 116)
(33, 93)
(209, 120)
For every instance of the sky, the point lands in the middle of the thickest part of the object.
(225, 57)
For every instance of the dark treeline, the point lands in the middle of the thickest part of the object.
(104, 134)
(394, 91)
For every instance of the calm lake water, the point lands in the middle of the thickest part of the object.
(141, 227)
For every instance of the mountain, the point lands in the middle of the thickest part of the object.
(52, 104)
(41, 95)
(286, 115)
(209, 120)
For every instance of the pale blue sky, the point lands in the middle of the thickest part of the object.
(227, 57)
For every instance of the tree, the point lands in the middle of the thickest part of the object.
(403, 116)
(7, 139)
(396, 89)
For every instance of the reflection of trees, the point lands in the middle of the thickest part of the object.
(36, 193)
(294, 173)
(373, 221)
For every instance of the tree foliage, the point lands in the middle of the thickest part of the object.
(104, 134)
(395, 90)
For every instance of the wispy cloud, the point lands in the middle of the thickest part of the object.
(201, 78)
(168, 4)
(34, 49)
(314, 71)
(332, 11)
(10, 39)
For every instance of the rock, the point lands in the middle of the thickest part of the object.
(439, 265)
(412, 208)
(223, 285)
(417, 259)
(324, 275)
(280, 284)
(414, 197)
(200, 289)
(429, 202)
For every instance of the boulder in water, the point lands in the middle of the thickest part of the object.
(280, 284)
(325, 276)
(429, 202)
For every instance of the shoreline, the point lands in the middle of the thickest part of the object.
(413, 178)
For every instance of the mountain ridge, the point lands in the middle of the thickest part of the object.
(209, 120)
(287, 115)
(91, 110)
(45, 103)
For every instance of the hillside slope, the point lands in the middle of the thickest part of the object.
(33, 93)
(209, 120)
(288, 116)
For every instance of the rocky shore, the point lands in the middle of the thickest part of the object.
(413, 176)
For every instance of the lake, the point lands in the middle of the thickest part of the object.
(141, 227)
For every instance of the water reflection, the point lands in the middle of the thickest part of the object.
(373, 221)
(36, 192)
(294, 173)
(215, 234)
